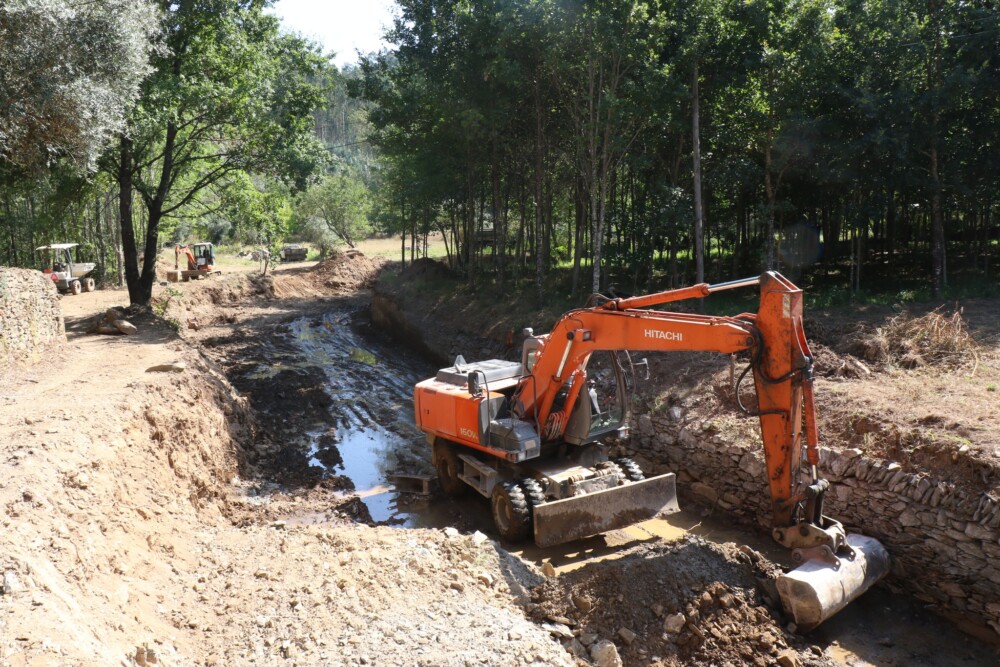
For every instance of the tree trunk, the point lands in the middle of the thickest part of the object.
(699, 238)
(125, 220)
(937, 224)
(539, 204)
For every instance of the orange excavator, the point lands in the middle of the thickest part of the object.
(528, 435)
(200, 260)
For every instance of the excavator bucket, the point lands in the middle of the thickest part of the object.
(582, 516)
(819, 588)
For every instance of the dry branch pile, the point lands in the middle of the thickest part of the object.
(913, 342)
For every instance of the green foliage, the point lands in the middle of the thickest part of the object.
(69, 71)
(564, 128)
(262, 215)
(340, 202)
(230, 95)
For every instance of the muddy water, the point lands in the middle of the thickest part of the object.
(370, 437)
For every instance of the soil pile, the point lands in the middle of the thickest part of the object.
(689, 602)
(349, 270)
(341, 274)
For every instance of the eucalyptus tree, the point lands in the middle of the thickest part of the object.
(229, 95)
(606, 54)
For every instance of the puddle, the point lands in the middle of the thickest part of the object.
(370, 434)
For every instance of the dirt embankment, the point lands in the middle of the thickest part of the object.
(143, 524)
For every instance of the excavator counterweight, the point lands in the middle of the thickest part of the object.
(530, 436)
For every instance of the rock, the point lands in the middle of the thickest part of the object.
(478, 538)
(125, 327)
(587, 638)
(674, 623)
(605, 654)
(486, 578)
(787, 658)
(627, 635)
(451, 533)
(558, 630)
(11, 583)
(457, 585)
(548, 570)
(575, 648)
(705, 491)
(173, 367)
(560, 619)
(675, 413)
(976, 531)
(582, 603)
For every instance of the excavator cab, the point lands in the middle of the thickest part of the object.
(602, 404)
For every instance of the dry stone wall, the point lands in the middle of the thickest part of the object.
(31, 320)
(944, 540)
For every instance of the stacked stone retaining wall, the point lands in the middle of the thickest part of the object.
(31, 320)
(944, 540)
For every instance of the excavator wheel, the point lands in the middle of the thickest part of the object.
(532, 492)
(633, 472)
(448, 466)
(511, 513)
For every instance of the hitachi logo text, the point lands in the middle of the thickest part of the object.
(664, 335)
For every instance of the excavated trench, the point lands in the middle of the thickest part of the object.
(345, 419)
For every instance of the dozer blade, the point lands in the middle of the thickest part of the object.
(816, 590)
(572, 518)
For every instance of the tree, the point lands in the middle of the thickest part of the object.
(69, 72)
(229, 95)
(341, 203)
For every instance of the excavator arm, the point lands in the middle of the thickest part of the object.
(782, 366)
(186, 251)
(779, 357)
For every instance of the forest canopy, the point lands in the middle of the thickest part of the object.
(641, 144)
(674, 140)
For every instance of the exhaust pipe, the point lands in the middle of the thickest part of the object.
(820, 587)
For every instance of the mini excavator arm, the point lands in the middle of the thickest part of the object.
(186, 251)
